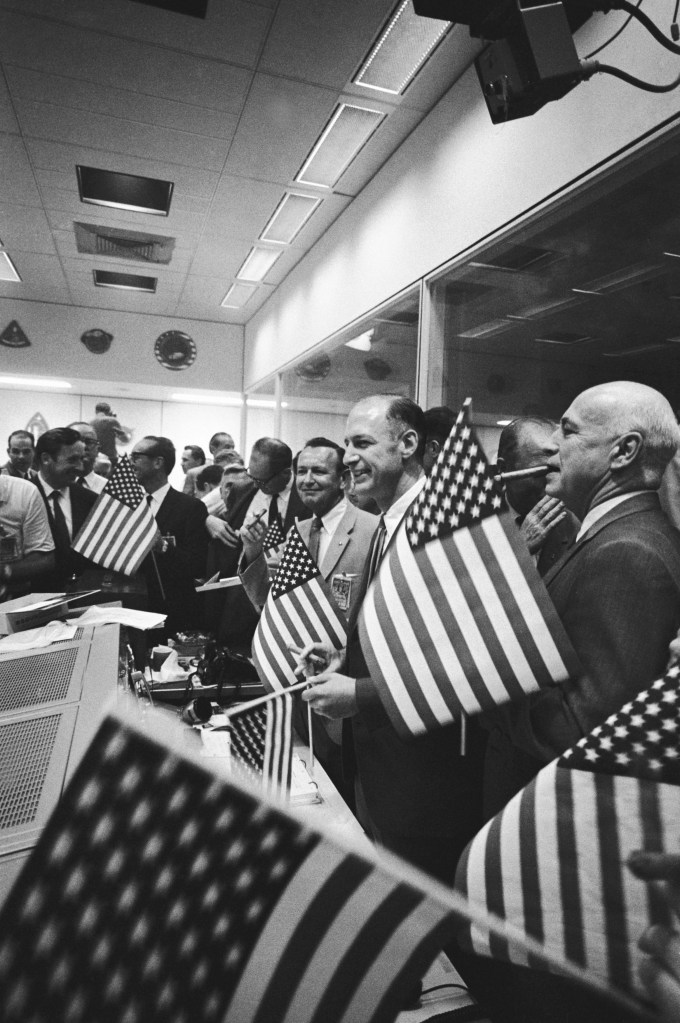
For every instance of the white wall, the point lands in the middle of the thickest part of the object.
(54, 332)
(457, 178)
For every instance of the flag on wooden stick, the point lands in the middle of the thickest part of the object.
(120, 529)
(553, 862)
(457, 618)
(300, 609)
(261, 747)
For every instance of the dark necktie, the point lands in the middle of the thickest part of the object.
(274, 513)
(81, 483)
(62, 537)
(376, 551)
(315, 537)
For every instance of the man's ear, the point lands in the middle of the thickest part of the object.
(409, 441)
(345, 480)
(626, 450)
(434, 447)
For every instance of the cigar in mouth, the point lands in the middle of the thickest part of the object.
(518, 474)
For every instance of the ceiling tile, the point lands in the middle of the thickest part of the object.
(220, 256)
(42, 279)
(65, 207)
(16, 177)
(8, 121)
(321, 42)
(104, 99)
(281, 121)
(242, 206)
(99, 57)
(25, 228)
(113, 135)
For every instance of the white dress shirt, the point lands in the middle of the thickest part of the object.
(596, 513)
(64, 502)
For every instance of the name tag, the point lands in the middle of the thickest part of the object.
(341, 588)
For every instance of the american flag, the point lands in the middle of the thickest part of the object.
(120, 530)
(262, 745)
(553, 862)
(300, 609)
(457, 618)
(162, 892)
(273, 540)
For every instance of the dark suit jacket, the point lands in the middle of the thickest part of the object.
(617, 592)
(184, 518)
(423, 799)
(67, 562)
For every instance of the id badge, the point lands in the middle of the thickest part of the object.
(341, 588)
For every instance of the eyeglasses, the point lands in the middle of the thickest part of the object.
(134, 456)
(263, 483)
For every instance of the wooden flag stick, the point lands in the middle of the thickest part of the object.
(311, 738)
(158, 574)
(242, 707)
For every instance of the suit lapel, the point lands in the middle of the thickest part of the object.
(640, 503)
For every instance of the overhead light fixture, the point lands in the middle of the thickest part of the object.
(363, 342)
(564, 337)
(487, 329)
(8, 271)
(263, 403)
(124, 191)
(401, 50)
(204, 399)
(503, 422)
(57, 385)
(289, 217)
(124, 282)
(348, 130)
(628, 277)
(639, 349)
(537, 312)
(258, 263)
(237, 295)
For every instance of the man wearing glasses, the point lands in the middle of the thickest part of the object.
(271, 495)
(89, 479)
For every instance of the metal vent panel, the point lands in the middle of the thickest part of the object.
(33, 757)
(132, 246)
(49, 677)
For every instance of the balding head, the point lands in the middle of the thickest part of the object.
(613, 439)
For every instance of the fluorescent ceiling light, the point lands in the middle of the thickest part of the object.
(57, 385)
(237, 295)
(639, 350)
(124, 191)
(403, 47)
(204, 399)
(627, 277)
(362, 342)
(503, 422)
(348, 130)
(263, 403)
(8, 271)
(258, 263)
(289, 218)
(487, 329)
(124, 282)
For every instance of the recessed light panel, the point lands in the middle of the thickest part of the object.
(291, 214)
(8, 271)
(124, 282)
(124, 191)
(258, 263)
(348, 130)
(402, 49)
(237, 295)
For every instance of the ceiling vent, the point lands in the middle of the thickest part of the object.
(128, 245)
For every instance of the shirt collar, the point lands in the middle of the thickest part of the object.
(596, 513)
(396, 512)
(331, 519)
(158, 496)
(48, 488)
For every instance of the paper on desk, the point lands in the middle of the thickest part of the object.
(171, 670)
(53, 632)
(120, 615)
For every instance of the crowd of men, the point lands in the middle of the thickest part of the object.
(593, 523)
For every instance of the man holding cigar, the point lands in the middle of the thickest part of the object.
(546, 525)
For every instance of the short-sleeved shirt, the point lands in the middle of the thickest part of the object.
(23, 517)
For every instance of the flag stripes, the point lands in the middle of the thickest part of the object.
(116, 537)
(456, 625)
(559, 875)
(300, 616)
(262, 745)
(259, 918)
(120, 529)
